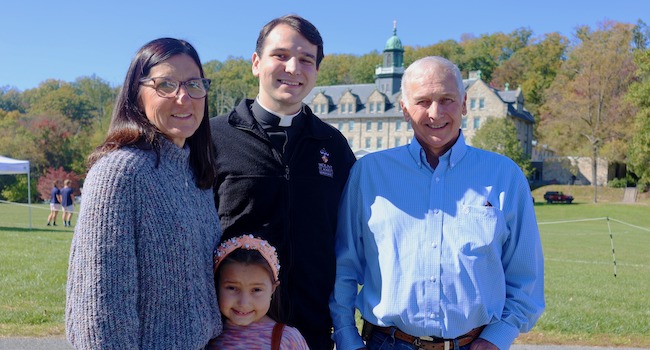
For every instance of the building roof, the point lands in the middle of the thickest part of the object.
(394, 43)
(361, 91)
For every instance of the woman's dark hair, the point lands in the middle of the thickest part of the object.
(300, 25)
(130, 126)
(253, 257)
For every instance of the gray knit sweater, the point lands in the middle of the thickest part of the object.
(140, 274)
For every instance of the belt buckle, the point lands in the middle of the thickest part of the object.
(418, 340)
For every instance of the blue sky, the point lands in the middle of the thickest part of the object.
(65, 40)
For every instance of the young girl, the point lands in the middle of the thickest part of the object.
(246, 279)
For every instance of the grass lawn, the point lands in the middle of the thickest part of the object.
(586, 304)
(33, 266)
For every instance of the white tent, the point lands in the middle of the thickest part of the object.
(10, 166)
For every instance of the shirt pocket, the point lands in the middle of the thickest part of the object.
(480, 230)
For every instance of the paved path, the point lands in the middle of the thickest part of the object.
(62, 344)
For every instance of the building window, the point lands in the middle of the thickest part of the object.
(367, 142)
(340, 126)
(368, 126)
(464, 123)
(351, 142)
(481, 103)
(350, 110)
(343, 106)
(351, 125)
(380, 143)
(380, 125)
(398, 141)
(477, 122)
(472, 103)
(316, 109)
(323, 108)
(398, 125)
(380, 107)
(372, 107)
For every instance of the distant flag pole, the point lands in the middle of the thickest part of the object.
(611, 239)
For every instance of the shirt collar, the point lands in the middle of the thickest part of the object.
(453, 155)
(285, 120)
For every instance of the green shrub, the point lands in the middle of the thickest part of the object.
(617, 183)
(17, 191)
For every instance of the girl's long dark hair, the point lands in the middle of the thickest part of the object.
(130, 126)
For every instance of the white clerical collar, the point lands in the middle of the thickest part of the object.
(285, 120)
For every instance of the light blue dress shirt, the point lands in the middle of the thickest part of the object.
(437, 252)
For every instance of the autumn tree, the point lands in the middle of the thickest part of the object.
(639, 95)
(362, 70)
(533, 68)
(15, 139)
(99, 95)
(232, 81)
(56, 140)
(10, 100)
(448, 49)
(500, 135)
(66, 102)
(583, 110)
(488, 51)
(46, 181)
(335, 70)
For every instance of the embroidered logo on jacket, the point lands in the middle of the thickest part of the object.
(324, 168)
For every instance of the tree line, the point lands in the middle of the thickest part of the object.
(589, 93)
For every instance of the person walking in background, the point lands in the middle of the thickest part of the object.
(55, 203)
(281, 171)
(140, 270)
(441, 236)
(247, 279)
(67, 202)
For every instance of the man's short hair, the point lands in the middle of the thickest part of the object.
(300, 25)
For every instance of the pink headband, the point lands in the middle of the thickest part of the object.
(248, 242)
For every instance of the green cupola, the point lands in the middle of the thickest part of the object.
(388, 77)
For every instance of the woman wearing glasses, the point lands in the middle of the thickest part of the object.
(140, 273)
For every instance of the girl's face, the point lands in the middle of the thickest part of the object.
(244, 293)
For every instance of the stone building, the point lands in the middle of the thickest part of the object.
(371, 118)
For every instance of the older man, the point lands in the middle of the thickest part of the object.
(441, 236)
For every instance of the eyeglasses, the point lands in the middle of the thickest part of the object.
(167, 87)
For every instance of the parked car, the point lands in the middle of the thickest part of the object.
(557, 197)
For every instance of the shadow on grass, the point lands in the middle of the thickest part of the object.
(29, 230)
(544, 204)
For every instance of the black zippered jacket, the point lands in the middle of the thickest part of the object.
(294, 205)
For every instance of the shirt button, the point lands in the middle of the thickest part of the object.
(437, 179)
(435, 211)
(433, 278)
(432, 315)
(434, 245)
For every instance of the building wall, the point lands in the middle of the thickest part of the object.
(482, 103)
(563, 169)
(486, 104)
(383, 132)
